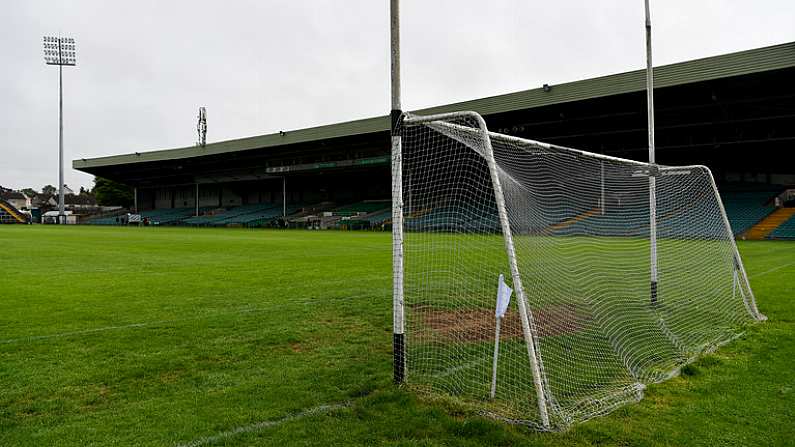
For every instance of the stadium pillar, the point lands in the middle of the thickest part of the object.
(284, 196)
(197, 199)
(135, 199)
(398, 332)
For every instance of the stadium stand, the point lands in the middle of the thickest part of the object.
(371, 221)
(451, 218)
(309, 216)
(224, 216)
(169, 216)
(362, 215)
(110, 218)
(747, 208)
(261, 217)
(365, 207)
(786, 230)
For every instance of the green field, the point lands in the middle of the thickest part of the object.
(173, 336)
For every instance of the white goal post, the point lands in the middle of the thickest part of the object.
(570, 231)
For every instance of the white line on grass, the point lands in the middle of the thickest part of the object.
(177, 320)
(208, 440)
(774, 269)
(83, 332)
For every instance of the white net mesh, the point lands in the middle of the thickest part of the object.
(579, 225)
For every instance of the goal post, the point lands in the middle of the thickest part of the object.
(570, 231)
(396, 116)
(471, 126)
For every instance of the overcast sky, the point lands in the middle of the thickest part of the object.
(261, 66)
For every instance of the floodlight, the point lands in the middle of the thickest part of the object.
(60, 51)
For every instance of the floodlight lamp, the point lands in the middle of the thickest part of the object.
(59, 51)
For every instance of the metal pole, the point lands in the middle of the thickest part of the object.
(398, 330)
(135, 199)
(524, 312)
(652, 178)
(197, 199)
(284, 196)
(496, 357)
(61, 212)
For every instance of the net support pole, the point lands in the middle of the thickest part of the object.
(652, 160)
(398, 330)
(497, 322)
(739, 268)
(524, 313)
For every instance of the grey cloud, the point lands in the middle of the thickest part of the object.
(261, 66)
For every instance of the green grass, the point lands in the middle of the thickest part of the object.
(164, 336)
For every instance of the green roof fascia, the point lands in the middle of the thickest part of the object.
(697, 70)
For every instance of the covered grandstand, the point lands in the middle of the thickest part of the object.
(732, 112)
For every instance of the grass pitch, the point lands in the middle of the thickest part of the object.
(168, 336)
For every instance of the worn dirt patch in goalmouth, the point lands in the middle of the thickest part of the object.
(479, 324)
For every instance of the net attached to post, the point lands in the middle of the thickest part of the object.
(579, 238)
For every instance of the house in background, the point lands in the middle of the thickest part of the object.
(45, 201)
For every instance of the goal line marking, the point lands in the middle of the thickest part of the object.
(774, 269)
(259, 426)
(241, 310)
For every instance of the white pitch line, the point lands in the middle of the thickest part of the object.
(774, 269)
(207, 440)
(176, 320)
(83, 332)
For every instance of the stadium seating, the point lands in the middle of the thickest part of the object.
(252, 215)
(260, 217)
(785, 230)
(366, 207)
(746, 208)
(360, 216)
(169, 216)
(449, 218)
(165, 216)
(105, 220)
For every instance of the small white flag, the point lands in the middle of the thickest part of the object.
(503, 297)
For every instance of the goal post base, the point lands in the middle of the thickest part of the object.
(399, 357)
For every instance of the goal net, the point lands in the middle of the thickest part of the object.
(572, 233)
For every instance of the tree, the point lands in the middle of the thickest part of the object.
(49, 189)
(110, 193)
(30, 192)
